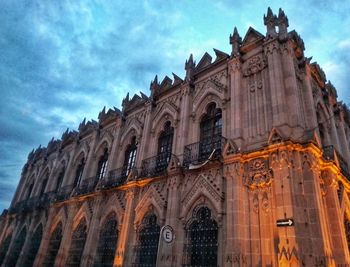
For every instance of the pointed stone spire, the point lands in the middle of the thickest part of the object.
(189, 67)
(235, 41)
(154, 86)
(270, 23)
(282, 23)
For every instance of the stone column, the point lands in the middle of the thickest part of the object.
(182, 131)
(142, 150)
(169, 253)
(93, 235)
(235, 226)
(335, 219)
(124, 248)
(309, 105)
(291, 87)
(278, 98)
(235, 124)
(90, 163)
(18, 227)
(66, 237)
(45, 238)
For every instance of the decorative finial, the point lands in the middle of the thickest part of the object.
(270, 23)
(189, 67)
(235, 41)
(282, 23)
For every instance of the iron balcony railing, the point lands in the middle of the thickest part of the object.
(64, 192)
(198, 153)
(37, 202)
(86, 186)
(329, 153)
(155, 166)
(115, 178)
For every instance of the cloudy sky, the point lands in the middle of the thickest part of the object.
(61, 61)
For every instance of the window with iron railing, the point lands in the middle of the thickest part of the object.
(77, 245)
(130, 156)
(79, 173)
(16, 248)
(102, 165)
(33, 247)
(165, 143)
(210, 131)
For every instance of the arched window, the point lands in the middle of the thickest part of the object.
(148, 238)
(107, 243)
(79, 173)
(165, 142)
(202, 239)
(43, 185)
(347, 230)
(130, 157)
(17, 248)
(53, 247)
(4, 247)
(30, 189)
(102, 165)
(210, 132)
(33, 247)
(77, 245)
(60, 179)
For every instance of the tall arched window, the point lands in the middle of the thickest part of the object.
(33, 247)
(210, 132)
(148, 238)
(165, 143)
(59, 179)
(43, 185)
(347, 230)
(53, 247)
(102, 165)
(130, 157)
(79, 172)
(29, 190)
(107, 243)
(4, 247)
(17, 248)
(77, 245)
(202, 239)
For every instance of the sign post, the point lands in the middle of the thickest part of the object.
(167, 234)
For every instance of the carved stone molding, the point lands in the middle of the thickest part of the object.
(254, 65)
(258, 175)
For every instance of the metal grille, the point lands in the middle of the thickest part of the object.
(77, 245)
(202, 240)
(4, 247)
(59, 180)
(347, 230)
(130, 157)
(79, 173)
(33, 247)
(107, 243)
(165, 143)
(148, 238)
(53, 247)
(210, 131)
(17, 248)
(102, 165)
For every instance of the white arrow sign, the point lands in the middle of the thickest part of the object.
(285, 222)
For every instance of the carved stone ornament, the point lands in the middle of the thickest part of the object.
(254, 65)
(258, 175)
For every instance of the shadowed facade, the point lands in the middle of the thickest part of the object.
(246, 158)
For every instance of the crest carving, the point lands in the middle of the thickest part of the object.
(254, 65)
(258, 174)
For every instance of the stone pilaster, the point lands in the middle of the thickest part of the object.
(124, 253)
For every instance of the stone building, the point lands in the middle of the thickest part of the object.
(245, 159)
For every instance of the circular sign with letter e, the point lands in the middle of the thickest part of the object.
(168, 234)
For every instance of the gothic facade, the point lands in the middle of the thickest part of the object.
(246, 159)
